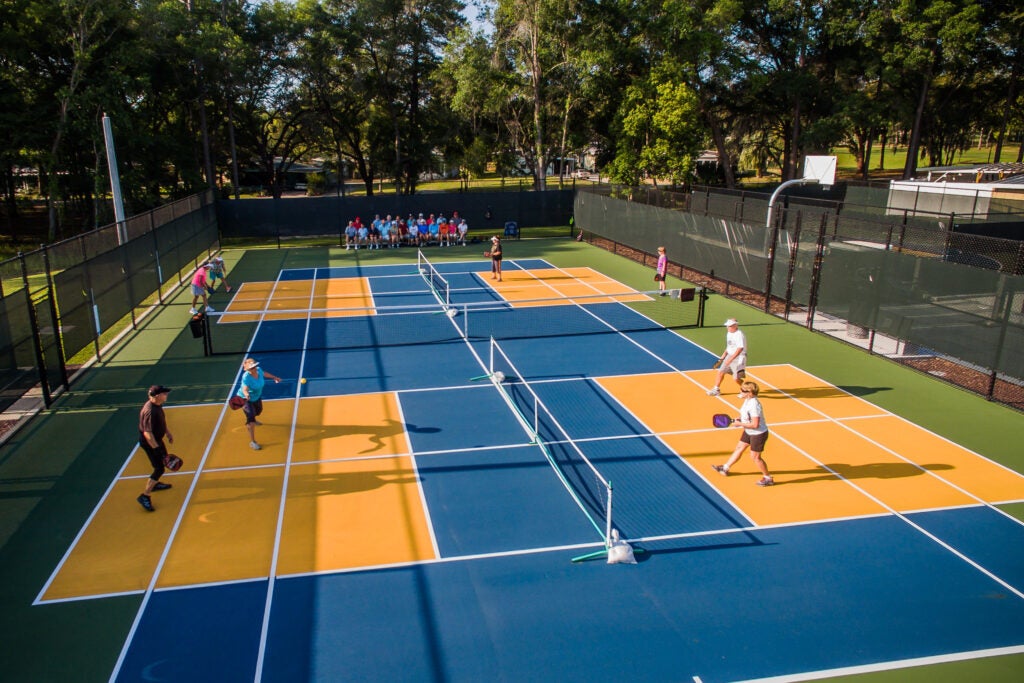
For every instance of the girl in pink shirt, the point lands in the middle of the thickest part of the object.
(661, 270)
(199, 287)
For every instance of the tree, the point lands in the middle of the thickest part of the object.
(272, 114)
(659, 136)
(933, 36)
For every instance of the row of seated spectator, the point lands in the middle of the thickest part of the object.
(394, 232)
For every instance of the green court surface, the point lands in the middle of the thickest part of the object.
(54, 471)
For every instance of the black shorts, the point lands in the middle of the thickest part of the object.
(156, 457)
(756, 441)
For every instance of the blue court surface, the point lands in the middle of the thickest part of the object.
(713, 597)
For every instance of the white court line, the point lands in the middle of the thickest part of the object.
(840, 422)
(419, 486)
(151, 588)
(891, 666)
(275, 553)
(174, 531)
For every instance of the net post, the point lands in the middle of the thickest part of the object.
(207, 338)
(608, 519)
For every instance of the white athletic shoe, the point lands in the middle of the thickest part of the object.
(192, 311)
(211, 309)
(714, 392)
(255, 446)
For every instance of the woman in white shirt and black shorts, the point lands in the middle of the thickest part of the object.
(755, 434)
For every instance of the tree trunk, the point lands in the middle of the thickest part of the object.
(565, 136)
(1011, 98)
(718, 137)
(910, 167)
(9, 201)
(793, 158)
(540, 177)
(234, 149)
(881, 156)
(867, 154)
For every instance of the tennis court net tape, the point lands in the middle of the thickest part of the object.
(285, 329)
(587, 486)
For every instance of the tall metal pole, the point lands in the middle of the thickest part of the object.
(115, 181)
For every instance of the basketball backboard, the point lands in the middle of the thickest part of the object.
(821, 169)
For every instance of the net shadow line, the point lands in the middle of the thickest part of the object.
(604, 533)
(708, 492)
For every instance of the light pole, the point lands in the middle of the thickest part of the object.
(115, 181)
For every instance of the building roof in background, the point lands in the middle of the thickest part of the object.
(1011, 172)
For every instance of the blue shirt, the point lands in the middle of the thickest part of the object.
(255, 385)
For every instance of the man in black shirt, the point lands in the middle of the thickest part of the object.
(152, 430)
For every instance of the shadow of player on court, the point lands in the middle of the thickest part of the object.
(880, 470)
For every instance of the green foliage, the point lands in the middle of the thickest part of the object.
(660, 134)
(395, 90)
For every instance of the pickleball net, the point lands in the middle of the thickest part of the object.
(437, 282)
(258, 326)
(591, 491)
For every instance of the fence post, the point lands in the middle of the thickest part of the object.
(770, 268)
(37, 342)
(51, 293)
(93, 310)
(819, 253)
(127, 266)
(277, 220)
(156, 256)
(949, 237)
(1008, 297)
(794, 250)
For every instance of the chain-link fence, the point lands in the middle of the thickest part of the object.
(942, 301)
(59, 303)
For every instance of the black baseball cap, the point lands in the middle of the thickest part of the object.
(158, 389)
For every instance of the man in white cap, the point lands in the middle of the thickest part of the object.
(733, 359)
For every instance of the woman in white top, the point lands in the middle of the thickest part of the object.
(755, 434)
